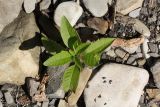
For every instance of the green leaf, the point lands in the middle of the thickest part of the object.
(69, 34)
(78, 62)
(91, 59)
(70, 78)
(99, 45)
(50, 45)
(58, 59)
(81, 47)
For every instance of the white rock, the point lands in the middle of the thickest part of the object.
(97, 7)
(126, 6)
(45, 4)
(141, 28)
(145, 48)
(71, 10)
(9, 10)
(116, 85)
(29, 5)
(135, 13)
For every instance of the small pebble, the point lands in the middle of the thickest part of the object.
(141, 61)
(52, 102)
(1, 94)
(130, 60)
(153, 47)
(58, 94)
(120, 53)
(9, 98)
(135, 13)
(45, 103)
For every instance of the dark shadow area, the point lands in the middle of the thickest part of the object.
(31, 43)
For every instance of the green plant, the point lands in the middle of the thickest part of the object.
(77, 52)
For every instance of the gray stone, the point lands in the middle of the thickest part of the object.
(111, 53)
(118, 59)
(130, 60)
(140, 27)
(58, 94)
(52, 102)
(154, 54)
(29, 5)
(45, 4)
(9, 10)
(1, 94)
(19, 53)
(55, 77)
(120, 52)
(155, 69)
(116, 85)
(45, 103)
(8, 97)
(153, 47)
(144, 11)
(138, 49)
(135, 13)
(97, 7)
(32, 86)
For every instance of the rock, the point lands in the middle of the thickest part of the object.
(154, 54)
(52, 102)
(19, 54)
(130, 50)
(9, 10)
(1, 105)
(58, 94)
(145, 48)
(130, 60)
(45, 103)
(152, 93)
(153, 47)
(120, 52)
(29, 5)
(98, 24)
(126, 6)
(141, 61)
(97, 7)
(156, 73)
(45, 4)
(8, 97)
(135, 13)
(71, 10)
(116, 85)
(32, 86)
(55, 78)
(111, 53)
(141, 28)
(1, 95)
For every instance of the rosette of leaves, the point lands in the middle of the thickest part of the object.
(80, 54)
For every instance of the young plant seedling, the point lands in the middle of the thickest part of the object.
(81, 54)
